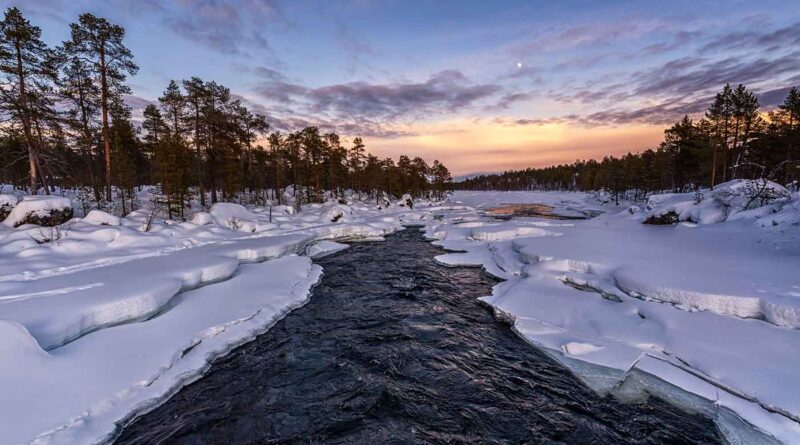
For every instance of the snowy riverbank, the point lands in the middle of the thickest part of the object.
(110, 318)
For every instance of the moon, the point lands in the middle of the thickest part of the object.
(519, 65)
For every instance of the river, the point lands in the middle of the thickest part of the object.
(394, 348)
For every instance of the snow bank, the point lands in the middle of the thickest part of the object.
(81, 390)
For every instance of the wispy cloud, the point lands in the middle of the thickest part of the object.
(232, 27)
(448, 91)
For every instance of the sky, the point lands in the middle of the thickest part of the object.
(483, 86)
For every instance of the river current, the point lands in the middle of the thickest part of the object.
(395, 348)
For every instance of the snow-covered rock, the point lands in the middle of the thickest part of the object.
(336, 214)
(101, 218)
(41, 210)
(406, 201)
(237, 217)
(731, 200)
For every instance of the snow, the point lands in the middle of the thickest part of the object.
(38, 205)
(107, 316)
(101, 218)
(324, 248)
(7, 200)
(111, 315)
(731, 200)
(336, 213)
(707, 315)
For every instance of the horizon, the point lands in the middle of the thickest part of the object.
(484, 88)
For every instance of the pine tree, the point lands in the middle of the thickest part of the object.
(356, 155)
(100, 43)
(790, 123)
(28, 67)
(80, 93)
(174, 104)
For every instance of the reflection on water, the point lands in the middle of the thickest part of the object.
(394, 348)
(507, 211)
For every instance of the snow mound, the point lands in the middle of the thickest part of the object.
(202, 219)
(17, 342)
(237, 217)
(406, 201)
(336, 214)
(7, 200)
(40, 209)
(99, 217)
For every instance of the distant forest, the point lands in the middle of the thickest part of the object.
(733, 140)
(65, 125)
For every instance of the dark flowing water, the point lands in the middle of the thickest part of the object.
(394, 348)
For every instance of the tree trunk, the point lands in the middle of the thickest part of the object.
(38, 163)
(87, 134)
(26, 124)
(789, 150)
(106, 132)
(200, 189)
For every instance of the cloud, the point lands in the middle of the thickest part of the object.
(268, 73)
(288, 119)
(680, 39)
(225, 26)
(509, 99)
(448, 91)
(661, 114)
(594, 34)
(767, 41)
(354, 47)
(694, 75)
(772, 98)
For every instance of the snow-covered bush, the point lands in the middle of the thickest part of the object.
(40, 210)
(740, 195)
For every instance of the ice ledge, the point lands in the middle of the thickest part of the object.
(630, 374)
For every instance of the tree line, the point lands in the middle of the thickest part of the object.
(733, 140)
(65, 124)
